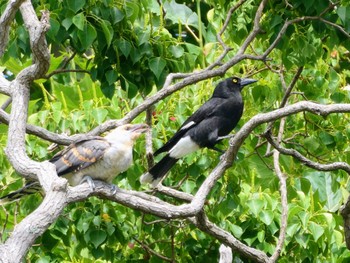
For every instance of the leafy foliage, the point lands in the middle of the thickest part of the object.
(120, 51)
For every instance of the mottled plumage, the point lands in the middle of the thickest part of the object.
(92, 158)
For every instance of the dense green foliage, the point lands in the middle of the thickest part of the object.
(122, 51)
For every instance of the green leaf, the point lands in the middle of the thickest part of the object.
(326, 138)
(343, 13)
(311, 143)
(132, 10)
(125, 47)
(116, 15)
(97, 237)
(111, 76)
(255, 206)
(67, 22)
(316, 230)
(99, 114)
(237, 231)
(107, 31)
(157, 65)
(338, 97)
(324, 184)
(177, 51)
(48, 241)
(261, 236)
(54, 27)
(188, 186)
(79, 21)
(180, 13)
(266, 217)
(292, 229)
(87, 36)
(75, 5)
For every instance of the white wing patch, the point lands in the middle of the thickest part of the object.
(188, 125)
(184, 146)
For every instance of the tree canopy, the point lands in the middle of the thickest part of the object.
(280, 192)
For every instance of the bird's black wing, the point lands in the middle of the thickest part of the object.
(205, 111)
(80, 155)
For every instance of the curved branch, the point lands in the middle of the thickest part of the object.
(201, 221)
(5, 22)
(41, 132)
(4, 85)
(315, 165)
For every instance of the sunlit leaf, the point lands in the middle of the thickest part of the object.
(79, 21)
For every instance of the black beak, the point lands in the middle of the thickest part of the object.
(245, 82)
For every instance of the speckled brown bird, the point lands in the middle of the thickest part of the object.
(92, 158)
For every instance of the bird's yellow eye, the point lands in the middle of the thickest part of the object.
(234, 80)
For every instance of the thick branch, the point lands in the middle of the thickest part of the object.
(34, 225)
(4, 85)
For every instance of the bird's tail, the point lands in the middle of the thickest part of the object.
(29, 188)
(158, 171)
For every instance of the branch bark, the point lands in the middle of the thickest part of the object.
(58, 195)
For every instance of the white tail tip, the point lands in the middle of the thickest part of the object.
(147, 178)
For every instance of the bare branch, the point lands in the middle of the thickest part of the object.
(174, 193)
(41, 132)
(317, 166)
(5, 22)
(283, 192)
(60, 71)
(256, 29)
(4, 85)
(34, 225)
(201, 221)
(152, 252)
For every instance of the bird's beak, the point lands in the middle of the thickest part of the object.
(140, 128)
(245, 82)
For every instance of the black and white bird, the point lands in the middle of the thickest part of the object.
(214, 120)
(91, 158)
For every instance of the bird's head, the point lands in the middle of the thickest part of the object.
(127, 132)
(230, 85)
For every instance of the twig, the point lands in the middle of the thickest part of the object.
(151, 251)
(60, 71)
(317, 166)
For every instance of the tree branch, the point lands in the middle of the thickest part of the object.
(201, 221)
(5, 22)
(317, 166)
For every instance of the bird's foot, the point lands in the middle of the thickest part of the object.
(229, 136)
(90, 182)
(114, 189)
